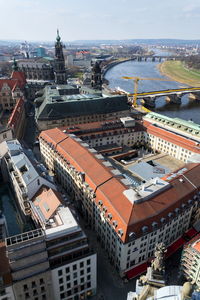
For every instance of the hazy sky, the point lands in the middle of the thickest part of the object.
(102, 19)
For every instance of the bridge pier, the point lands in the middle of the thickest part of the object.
(194, 96)
(174, 98)
(149, 101)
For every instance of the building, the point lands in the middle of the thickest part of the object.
(109, 137)
(190, 261)
(179, 138)
(17, 120)
(59, 107)
(53, 260)
(5, 133)
(37, 69)
(11, 89)
(96, 80)
(59, 263)
(59, 62)
(6, 289)
(129, 217)
(25, 177)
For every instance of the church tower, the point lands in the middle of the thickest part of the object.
(96, 81)
(59, 63)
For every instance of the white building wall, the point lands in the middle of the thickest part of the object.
(75, 279)
(124, 256)
(7, 294)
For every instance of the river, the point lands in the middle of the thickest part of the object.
(188, 109)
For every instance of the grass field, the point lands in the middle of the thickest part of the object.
(178, 72)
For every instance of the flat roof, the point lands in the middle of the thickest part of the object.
(147, 171)
(67, 223)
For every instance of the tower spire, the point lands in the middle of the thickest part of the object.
(15, 66)
(58, 36)
(59, 63)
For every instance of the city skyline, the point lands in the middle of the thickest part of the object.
(91, 20)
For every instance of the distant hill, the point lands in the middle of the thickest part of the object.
(163, 42)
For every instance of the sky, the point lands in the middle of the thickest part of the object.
(97, 20)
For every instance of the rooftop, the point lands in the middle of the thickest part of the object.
(57, 103)
(113, 191)
(186, 127)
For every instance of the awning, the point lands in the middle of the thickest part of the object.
(175, 246)
(191, 232)
(136, 271)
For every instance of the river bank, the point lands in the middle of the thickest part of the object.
(176, 70)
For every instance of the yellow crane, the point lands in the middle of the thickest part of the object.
(136, 80)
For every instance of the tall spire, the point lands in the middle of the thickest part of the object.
(59, 63)
(15, 66)
(58, 36)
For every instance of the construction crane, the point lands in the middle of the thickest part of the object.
(136, 80)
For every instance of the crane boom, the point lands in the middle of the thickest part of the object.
(136, 80)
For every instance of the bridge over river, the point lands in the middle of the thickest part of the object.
(172, 95)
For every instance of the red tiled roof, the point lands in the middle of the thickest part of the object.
(172, 137)
(19, 77)
(196, 246)
(109, 189)
(16, 114)
(17, 80)
(47, 200)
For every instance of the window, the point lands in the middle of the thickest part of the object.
(61, 288)
(67, 270)
(82, 272)
(67, 277)
(82, 264)
(88, 270)
(25, 287)
(75, 282)
(88, 277)
(68, 285)
(74, 267)
(88, 262)
(60, 280)
(75, 275)
(41, 281)
(62, 295)
(60, 273)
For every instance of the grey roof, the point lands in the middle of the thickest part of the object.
(146, 171)
(56, 106)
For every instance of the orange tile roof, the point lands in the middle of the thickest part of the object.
(16, 114)
(196, 246)
(109, 189)
(54, 136)
(17, 80)
(173, 138)
(47, 200)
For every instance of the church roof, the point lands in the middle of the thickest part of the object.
(62, 106)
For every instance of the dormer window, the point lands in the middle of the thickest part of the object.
(154, 225)
(170, 215)
(100, 202)
(162, 220)
(120, 232)
(145, 229)
(110, 216)
(115, 224)
(105, 209)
